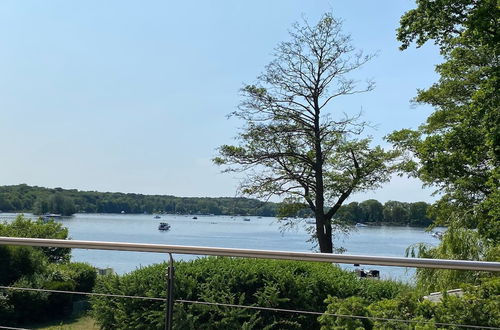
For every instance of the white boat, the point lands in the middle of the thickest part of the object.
(437, 234)
(311, 221)
(51, 216)
(164, 226)
(359, 224)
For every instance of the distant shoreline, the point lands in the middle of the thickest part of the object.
(368, 224)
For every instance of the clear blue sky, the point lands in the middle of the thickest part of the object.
(132, 96)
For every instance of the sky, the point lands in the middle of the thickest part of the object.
(133, 96)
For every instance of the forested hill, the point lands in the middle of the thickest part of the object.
(39, 200)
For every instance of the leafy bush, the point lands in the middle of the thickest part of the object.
(458, 244)
(266, 283)
(25, 227)
(350, 306)
(82, 275)
(18, 261)
(41, 268)
(31, 306)
(479, 306)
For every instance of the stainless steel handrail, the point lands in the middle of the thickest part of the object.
(262, 254)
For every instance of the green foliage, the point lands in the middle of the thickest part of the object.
(266, 283)
(355, 306)
(82, 275)
(23, 307)
(68, 201)
(18, 261)
(457, 243)
(293, 144)
(30, 267)
(458, 147)
(25, 227)
(479, 306)
(392, 212)
(56, 203)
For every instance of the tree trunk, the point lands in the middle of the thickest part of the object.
(323, 227)
(324, 233)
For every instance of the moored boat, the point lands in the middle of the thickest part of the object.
(164, 226)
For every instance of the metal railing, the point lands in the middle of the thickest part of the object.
(260, 254)
(246, 253)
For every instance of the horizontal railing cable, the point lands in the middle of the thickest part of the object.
(81, 293)
(260, 308)
(334, 314)
(262, 254)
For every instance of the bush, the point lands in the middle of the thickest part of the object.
(27, 306)
(479, 306)
(266, 283)
(81, 274)
(350, 306)
(18, 261)
(41, 268)
(25, 227)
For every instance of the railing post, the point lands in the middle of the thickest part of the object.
(170, 294)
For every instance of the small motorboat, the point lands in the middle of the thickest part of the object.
(50, 216)
(437, 234)
(164, 226)
(194, 218)
(359, 224)
(157, 217)
(246, 219)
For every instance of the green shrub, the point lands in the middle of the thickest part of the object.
(479, 306)
(29, 306)
(266, 283)
(18, 261)
(25, 227)
(81, 274)
(349, 306)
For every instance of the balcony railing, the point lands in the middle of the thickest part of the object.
(245, 253)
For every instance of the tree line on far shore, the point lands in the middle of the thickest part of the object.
(40, 200)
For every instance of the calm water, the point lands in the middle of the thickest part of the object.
(226, 231)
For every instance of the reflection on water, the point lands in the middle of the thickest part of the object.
(226, 231)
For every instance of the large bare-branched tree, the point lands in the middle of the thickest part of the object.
(295, 144)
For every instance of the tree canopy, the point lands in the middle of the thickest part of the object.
(293, 144)
(457, 149)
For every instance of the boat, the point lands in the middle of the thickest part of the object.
(157, 217)
(164, 226)
(51, 216)
(246, 219)
(194, 218)
(359, 224)
(311, 221)
(437, 234)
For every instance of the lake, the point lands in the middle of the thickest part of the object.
(226, 231)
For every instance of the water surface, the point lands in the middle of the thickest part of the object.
(226, 231)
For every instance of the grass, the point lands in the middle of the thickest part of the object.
(78, 322)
